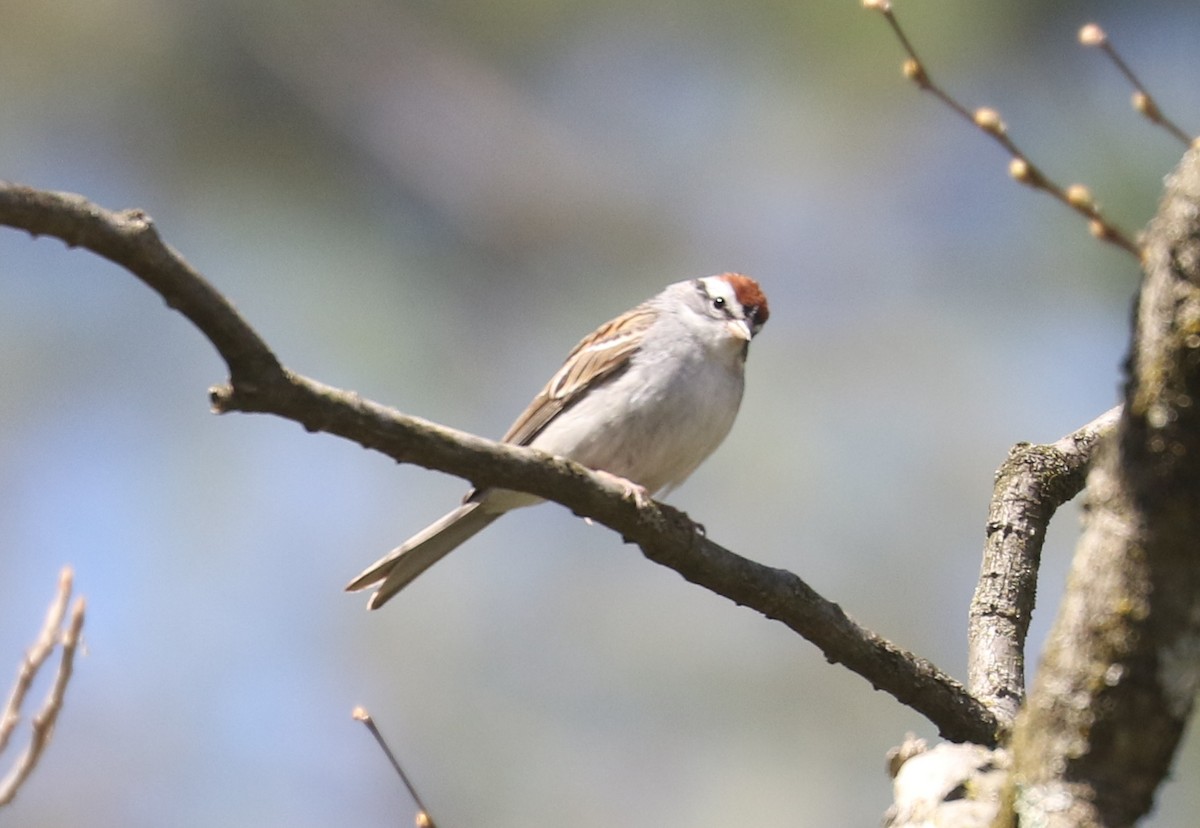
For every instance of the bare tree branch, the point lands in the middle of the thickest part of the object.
(1122, 665)
(987, 120)
(35, 657)
(43, 721)
(129, 239)
(1031, 485)
(259, 383)
(1143, 102)
(422, 818)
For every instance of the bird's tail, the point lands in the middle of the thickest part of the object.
(398, 568)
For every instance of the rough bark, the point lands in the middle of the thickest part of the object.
(1122, 664)
(1031, 485)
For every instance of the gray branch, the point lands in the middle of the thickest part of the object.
(1031, 485)
(258, 382)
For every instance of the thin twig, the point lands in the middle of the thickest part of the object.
(1077, 197)
(43, 722)
(37, 654)
(1142, 102)
(423, 819)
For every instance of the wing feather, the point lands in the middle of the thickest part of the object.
(598, 357)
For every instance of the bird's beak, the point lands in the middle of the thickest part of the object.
(740, 329)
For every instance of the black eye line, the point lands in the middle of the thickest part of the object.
(719, 303)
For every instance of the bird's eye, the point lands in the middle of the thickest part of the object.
(719, 303)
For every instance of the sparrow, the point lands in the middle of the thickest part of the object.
(646, 397)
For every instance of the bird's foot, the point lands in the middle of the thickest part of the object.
(629, 489)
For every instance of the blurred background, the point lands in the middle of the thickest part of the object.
(429, 203)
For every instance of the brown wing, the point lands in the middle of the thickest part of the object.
(600, 355)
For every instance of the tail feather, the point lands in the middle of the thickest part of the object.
(398, 568)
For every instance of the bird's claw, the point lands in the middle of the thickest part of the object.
(629, 489)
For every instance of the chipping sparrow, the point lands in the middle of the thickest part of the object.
(646, 397)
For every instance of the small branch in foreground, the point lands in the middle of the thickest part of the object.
(1142, 102)
(1021, 168)
(423, 819)
(36, 656)
(260, 384)
(43, 722)
(1031, 485)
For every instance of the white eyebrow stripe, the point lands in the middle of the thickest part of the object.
(714, 287)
